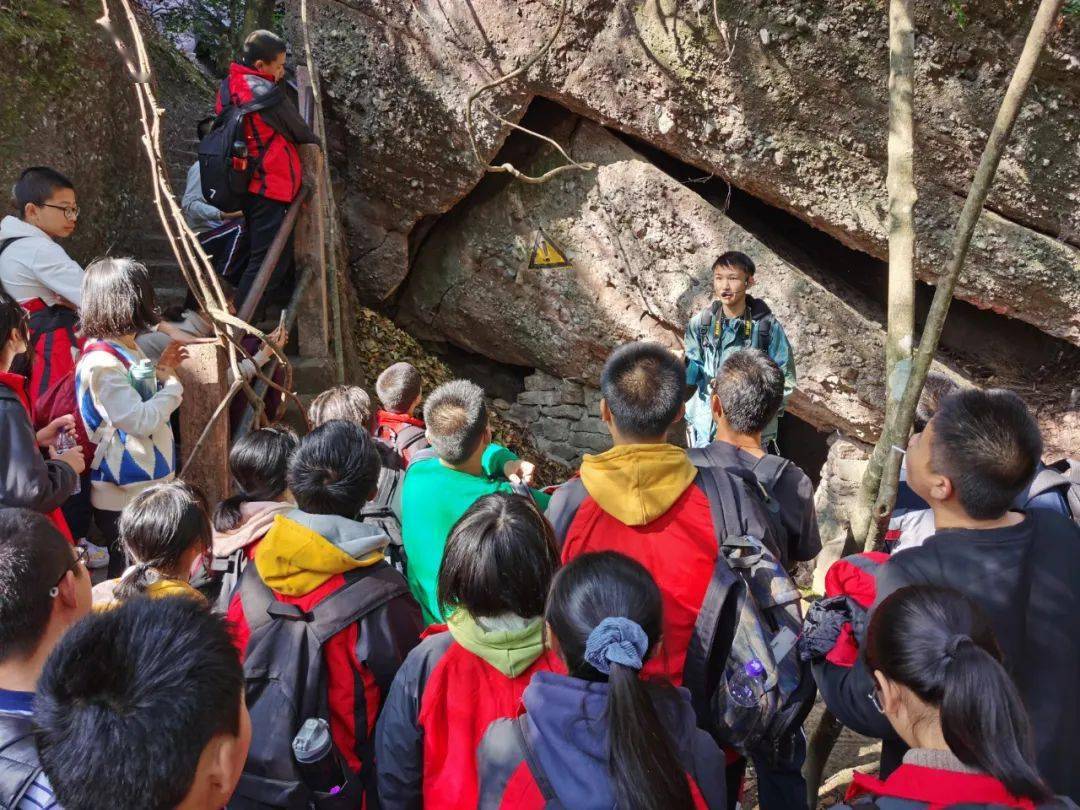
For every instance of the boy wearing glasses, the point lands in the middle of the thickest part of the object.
(44, 590)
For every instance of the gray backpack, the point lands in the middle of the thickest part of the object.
(751, 611)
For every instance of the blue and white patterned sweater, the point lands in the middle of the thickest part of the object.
(135, 440)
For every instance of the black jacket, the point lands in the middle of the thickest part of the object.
(1026, 578)
(26, 478)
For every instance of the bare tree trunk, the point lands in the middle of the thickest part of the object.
(257, 14)
(883, 472)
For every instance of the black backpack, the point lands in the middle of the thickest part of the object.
(225, 170)
(285, 683)
(761, 340)
(19, 765)
(385, 510)
(751, 610)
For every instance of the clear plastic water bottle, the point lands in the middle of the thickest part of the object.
(65, 441)
(748, 684)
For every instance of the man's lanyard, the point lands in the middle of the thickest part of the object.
(748, 325)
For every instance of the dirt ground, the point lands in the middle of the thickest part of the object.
(852, 752)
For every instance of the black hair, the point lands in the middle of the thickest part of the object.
(938, 644)
(644, 768)
(262, 46)
(348, 402)
(643, 384)
(130, 698)
(117, 299)
(335, 470)
(936, 388)
(456, 417)
(398, 387)
(36, 185)
(736, 259)
(157, 529)
(500, 557)
(34, 557)
(202, 128)
(750, 387)
(259, 463)
(988, 445)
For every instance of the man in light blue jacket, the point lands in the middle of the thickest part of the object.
(733, 321)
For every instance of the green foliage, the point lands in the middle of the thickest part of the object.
(958, 9)
(1072, 8)
(218, 26)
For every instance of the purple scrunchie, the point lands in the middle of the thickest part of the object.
(616, 640)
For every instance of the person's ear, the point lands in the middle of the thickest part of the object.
(605, 411)
(550, 641)
(891, 696)
(67, 590)
(373, 494)
(941, 487)
(750, 281)
(715, 406)
(679, 415)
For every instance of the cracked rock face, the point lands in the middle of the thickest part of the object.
(641, 244)
(786, 100)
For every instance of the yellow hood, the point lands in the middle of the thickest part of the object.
(637, 483)
(302, 551)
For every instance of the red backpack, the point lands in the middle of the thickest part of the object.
(61, 398)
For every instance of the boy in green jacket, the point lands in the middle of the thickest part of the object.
(438, 490)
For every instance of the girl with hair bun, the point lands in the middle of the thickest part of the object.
(939, 680)
(601, 737)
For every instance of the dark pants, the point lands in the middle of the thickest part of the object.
(263, 218)
(76, 509)
(108, 524)
(781, 785)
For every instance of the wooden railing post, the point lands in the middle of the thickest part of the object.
(206, 382)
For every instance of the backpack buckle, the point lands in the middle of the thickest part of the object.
(283, 610)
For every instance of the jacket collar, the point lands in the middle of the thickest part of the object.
(15, 385)
(391, 418)
(12, 226)
(937, 788)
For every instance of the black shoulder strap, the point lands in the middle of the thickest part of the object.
(768, 469)
(418, 436)
(705, 320)
(537, 770)
(256, 598)
(564, 506)
(764, 333)
(348, 605)
(720, 491)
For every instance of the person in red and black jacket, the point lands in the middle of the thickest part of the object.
(317, 550)
(939, 681)
(499, 561)
(272, 137)
(602, 736)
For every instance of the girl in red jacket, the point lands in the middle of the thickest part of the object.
(938, 679)
(601, 737)
(499, 561)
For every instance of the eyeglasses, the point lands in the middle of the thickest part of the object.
(81, 558)
(71, 213)
(875, 698)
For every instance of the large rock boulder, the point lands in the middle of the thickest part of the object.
(641, 245)
(793, 112)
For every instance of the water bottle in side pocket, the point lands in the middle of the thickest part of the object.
(144, 378)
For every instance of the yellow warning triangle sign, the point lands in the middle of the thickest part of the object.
(545, 253)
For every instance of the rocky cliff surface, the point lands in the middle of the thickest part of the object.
(789, 106)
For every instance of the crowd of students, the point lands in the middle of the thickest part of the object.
(390, 612)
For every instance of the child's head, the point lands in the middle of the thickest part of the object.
(43, 589)
(14, 330)
(259, 463)
(935, 389)
(642, 385)
(605, 615)
(398, 388)
(747, 391)
(456, 417)
(264, 51)
(348, 402)
(143, 706)
(733, 273)
(937, 670)
(46, 199)
(117, 299)
(978, 452)
(203, 127)
(163, 531)
(500, 558)
(335, 470)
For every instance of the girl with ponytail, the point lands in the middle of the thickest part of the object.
(164, 532)
(938, 679)
(259, 463)
(600, 736)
